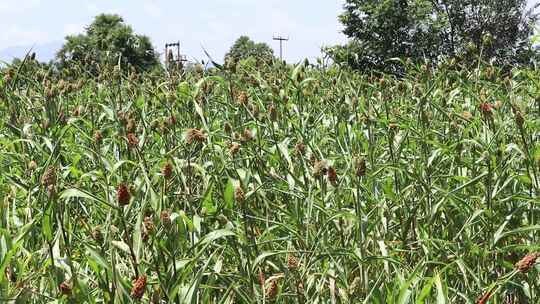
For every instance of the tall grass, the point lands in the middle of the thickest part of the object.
(288, 184)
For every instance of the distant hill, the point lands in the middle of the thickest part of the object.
(44, 52)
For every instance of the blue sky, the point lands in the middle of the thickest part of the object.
(213, 24)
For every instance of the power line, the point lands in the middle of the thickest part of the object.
(280, 39)
(170, 58)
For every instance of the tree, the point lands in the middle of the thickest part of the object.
(431, 29)
(500, 29)
(108, 40)
(244, 48)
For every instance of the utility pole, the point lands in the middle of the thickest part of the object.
(171, 58)
(280, 39)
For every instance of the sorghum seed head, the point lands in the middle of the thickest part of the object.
(65, 288)
(165, 217)
(139, 286)
(320, 168)
(527, 262)
(332, 176)
(292, 262)
(61, 84)
(8, 77)
(50, 93)
(122, 194)
(272, 289)
(360, 167)
(272, 113)
(98, 137)
(96, 235)
(49, 177)
(486, 108)
(130, 126)
(132, 140)
(234, 148)
(172, 120)
(261, 278)
(227, 127)
(242, 98)
(247, 135)
(239, 195)
(32, 165)
(195, 135)
(520, 120)
(167, 170)
(148, 227)
(299, 148)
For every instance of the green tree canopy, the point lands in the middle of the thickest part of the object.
(108, 40)
(244, 48)
(428, 29)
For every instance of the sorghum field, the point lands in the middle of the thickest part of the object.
(270, 184)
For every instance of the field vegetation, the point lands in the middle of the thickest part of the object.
(269, 183)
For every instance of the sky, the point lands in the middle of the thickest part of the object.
(212, 24)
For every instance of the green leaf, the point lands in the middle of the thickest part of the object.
(264, 255)
(197, 220)
(426, 291)
(441, 295)
(77, 193)
(11, 253)
(214, 235)
(208, 201)
(200, 111)
(108, 111)
(137, 235)
(97, 258)
(516, 231)
(121, 245)
(187, 221)
(285, 152)
(228, 195)
(47, 224)
(404, 290)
